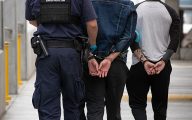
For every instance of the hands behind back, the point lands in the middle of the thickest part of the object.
(101, 70)
(152, 68)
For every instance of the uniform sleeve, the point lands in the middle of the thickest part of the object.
(28, 10)
(128, 33)
(88, 11)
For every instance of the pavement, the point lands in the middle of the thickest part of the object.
(180, 98)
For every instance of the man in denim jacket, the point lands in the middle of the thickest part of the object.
(106, 79)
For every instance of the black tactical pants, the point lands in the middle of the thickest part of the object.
(58, 73)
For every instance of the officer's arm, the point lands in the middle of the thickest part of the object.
(92, 30)
(28, 12)
(33, 22)
(89, 16)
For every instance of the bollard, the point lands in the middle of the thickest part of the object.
(19, 81)
(7, 97)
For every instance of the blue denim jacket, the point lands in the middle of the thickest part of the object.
(116, 21)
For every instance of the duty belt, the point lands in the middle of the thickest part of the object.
(61, 43)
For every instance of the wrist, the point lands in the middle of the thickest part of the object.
(110, 59)
(144, 61)
(165, 61)
(93, 48)
(90, 57)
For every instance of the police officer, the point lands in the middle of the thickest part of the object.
(58, 24)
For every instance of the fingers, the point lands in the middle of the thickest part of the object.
(93, 67)
(93, 74)
(104, 68)
(152, 71)
(96, 66)
(148, 72)
(149, 68)
(100, 66)
(159, 69)
(159, 66)
(103, 74)
(157, 72)
(100, 70)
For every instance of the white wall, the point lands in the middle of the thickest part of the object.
(30, 57)
(2, 84)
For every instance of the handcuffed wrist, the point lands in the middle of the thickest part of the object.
(163, 60)
(110, 59)
(143, 58)
(93, 48)
(145, 61)
(91, 57)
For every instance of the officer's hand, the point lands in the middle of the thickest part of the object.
(149, 67)
(104, 67)
(159, 66)
(93, 67)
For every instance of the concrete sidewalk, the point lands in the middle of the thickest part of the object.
(20, 107)
(180, 89)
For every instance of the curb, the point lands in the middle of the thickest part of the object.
(172, 97)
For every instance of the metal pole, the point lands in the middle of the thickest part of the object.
(19, 81)
(6, 52)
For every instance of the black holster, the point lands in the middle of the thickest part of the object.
(84, 47)
(38, 46)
